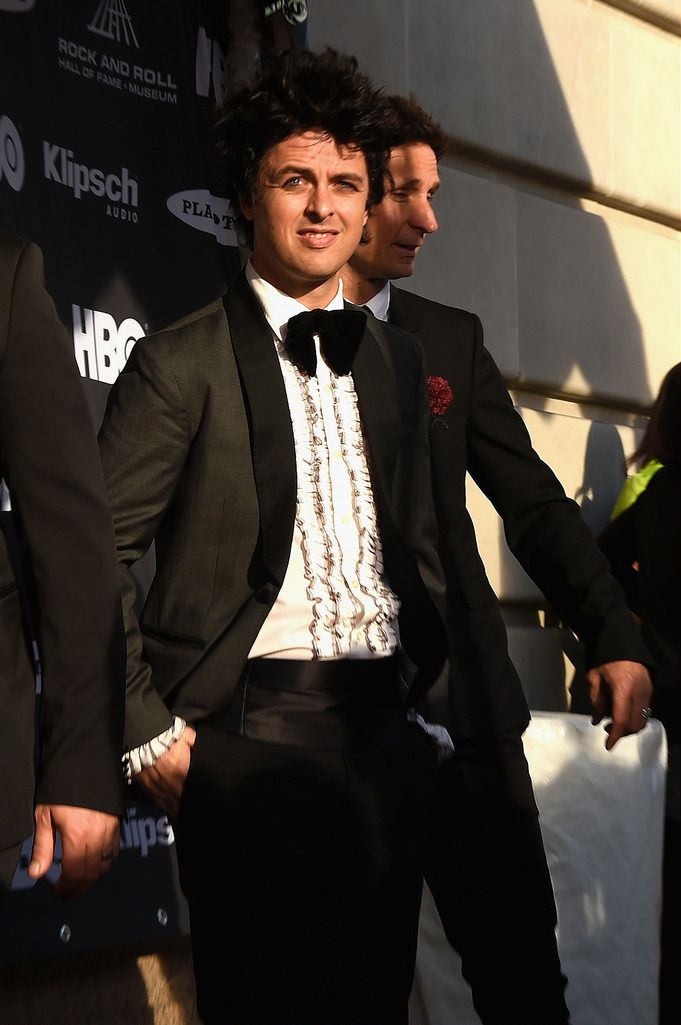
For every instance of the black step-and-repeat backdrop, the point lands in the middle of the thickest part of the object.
(107, 161)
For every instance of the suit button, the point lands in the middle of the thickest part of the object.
(266, 594)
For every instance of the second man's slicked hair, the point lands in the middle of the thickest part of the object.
(408, 122)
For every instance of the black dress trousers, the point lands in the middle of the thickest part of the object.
(302, 863)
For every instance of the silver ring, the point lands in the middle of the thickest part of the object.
(106, 856)
(646, 712)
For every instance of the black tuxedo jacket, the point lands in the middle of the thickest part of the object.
(48, 456)
(198, 455)
(486, 437)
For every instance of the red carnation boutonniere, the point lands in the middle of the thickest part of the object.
(440, 397)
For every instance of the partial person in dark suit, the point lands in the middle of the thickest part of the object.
(486, 865)
(274, 445)
(57, 561)
(643, 546)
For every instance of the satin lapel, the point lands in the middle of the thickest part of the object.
(376, 393)
(272, 446)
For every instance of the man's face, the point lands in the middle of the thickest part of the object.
(308, 213)
(399, 224)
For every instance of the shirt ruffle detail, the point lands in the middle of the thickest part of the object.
(351, 605)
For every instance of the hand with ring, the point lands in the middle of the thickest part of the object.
(89, 840)
(621, 690)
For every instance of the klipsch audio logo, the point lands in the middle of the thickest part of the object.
(145, 832)
(120, 190)
(112, 21)
(206, 212)
(102, 346)
(12, 165)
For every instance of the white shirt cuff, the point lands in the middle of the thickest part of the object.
(144, 756)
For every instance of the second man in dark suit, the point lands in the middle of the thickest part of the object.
(486, 865)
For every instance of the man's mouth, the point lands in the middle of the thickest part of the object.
(408, 248)
(317, 239)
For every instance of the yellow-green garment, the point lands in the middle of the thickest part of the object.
(635, 486)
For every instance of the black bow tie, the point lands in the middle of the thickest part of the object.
(340, 332)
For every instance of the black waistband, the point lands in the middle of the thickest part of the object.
(340, 703)
(370, 680)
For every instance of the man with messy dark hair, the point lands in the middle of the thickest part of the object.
(315, 92)
(274, 445)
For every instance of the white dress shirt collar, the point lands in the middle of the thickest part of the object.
(278, 307)
(379, 304)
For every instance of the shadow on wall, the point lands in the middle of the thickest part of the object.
(603, 476)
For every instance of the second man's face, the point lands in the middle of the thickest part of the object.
(307, 214)
(397, 227)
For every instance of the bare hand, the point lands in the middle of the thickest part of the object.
(622, 690)
(164, 780)
(89, 841)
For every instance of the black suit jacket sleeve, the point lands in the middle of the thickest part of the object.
(49, 457)
(544, 528)
(144, 441)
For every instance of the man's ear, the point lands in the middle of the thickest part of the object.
(247, 207)
(365, 236)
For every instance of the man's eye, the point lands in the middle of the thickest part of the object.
(293, 183)
(399, 195)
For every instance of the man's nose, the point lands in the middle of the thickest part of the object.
(423, 217)
(320, 203)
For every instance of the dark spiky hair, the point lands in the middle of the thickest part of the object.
(299, 92)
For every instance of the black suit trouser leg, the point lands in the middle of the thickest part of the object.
(303, 870)
(486, 868)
